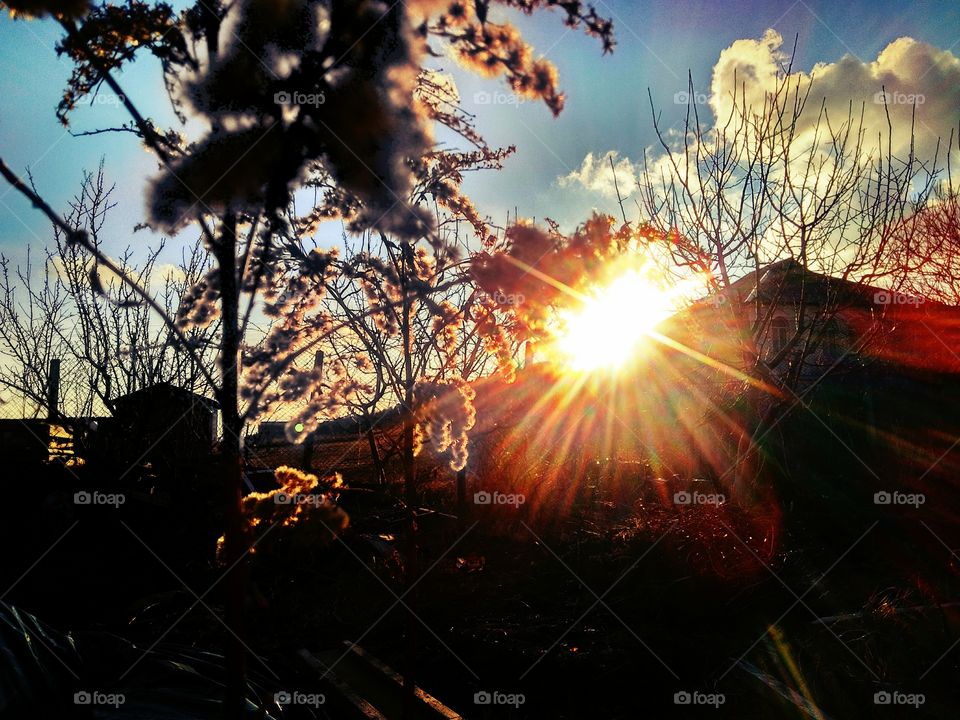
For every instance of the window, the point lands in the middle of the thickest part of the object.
(778, 333)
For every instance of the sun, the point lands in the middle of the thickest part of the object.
(610, 324)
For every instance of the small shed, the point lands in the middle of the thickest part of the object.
(165, 425)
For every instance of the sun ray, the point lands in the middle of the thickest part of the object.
(714, 363)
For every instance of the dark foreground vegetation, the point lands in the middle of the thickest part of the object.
(598, 597)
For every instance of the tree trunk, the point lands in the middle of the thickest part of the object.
(411, 566)
(236, 540)
(747, 460)
(410, 496)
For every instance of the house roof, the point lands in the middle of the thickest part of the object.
(921, 333)
(164, 391)
(789, 282)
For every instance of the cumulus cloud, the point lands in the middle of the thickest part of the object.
(907, 76)
(84, 265)
(594, 174)
(168, 272)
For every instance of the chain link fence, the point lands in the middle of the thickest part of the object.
(358, 456)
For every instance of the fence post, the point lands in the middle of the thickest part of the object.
(53, 390)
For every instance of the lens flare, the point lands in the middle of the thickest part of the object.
(611, 324)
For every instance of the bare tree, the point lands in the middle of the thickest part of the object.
(924, 250)
(108, 342)
(782, 185)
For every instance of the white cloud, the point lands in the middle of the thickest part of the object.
(905, 72)
(169, 272)
(908, 74)
(595, 174)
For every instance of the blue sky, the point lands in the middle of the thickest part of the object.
(607, 107)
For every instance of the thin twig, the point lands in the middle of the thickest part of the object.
(617, 188)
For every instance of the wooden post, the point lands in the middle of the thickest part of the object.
(53, 390)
